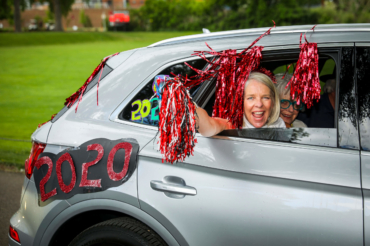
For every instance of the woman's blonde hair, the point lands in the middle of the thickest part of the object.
(266, 80)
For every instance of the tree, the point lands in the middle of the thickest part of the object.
(17, 16)
(59, 8)
(10, 9)
(5, 9)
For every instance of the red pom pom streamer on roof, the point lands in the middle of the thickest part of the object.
(305, 83)
(79, 93)
(176, 122)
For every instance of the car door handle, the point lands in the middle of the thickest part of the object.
(160, 186)
(174, 185)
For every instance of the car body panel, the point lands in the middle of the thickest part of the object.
(117, 60)
(250, 193)
(365, 167)
(41, 133)
(126, 193)
(306, 163)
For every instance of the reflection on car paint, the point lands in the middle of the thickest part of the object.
(347, 115)
(363, 88)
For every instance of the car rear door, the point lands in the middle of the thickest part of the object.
(362, 76)
(239, 190)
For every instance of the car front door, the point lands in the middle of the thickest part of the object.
(300, 187)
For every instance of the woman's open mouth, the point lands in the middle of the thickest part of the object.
(258, 115)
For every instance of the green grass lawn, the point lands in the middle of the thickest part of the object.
(39, 70)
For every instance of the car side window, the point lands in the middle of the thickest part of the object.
(321, 118)
(144, 106)
(363, 88)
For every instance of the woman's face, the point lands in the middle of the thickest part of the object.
(258, 103)
(289, 114)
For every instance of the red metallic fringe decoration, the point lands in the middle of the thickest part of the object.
(231, 78)
(52, 117)
(267, 72)
(176, 122)
(305, 83)
(79, 93)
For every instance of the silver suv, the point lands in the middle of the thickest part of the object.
(99, 178)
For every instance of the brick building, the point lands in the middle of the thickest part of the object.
(95, 9)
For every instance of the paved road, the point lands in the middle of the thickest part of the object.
(10, 195)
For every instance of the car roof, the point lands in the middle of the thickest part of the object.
(258, 31)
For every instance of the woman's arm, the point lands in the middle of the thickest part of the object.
(208, 126)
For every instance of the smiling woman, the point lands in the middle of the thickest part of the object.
(289, 108)
(261, 103)
(261, 108)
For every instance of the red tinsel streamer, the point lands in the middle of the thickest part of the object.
(305, 83)
(231, 78)
(176, 122)
(267, 72)
(52, 117)
(79, 93)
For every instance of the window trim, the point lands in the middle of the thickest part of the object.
(285, 144)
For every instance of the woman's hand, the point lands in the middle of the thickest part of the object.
(208, 126)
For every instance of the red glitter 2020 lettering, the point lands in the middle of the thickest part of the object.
(112, 174)
(96, 182)
(40, 162)
(45, 160)
(65, 188)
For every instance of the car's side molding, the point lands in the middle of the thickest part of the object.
(105, 204)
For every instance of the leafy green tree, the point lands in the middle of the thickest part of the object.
(344, 11)
(85, 19)
(166, 15)
(59, 8)
(11, 10)
(6, 9)
(238, 14)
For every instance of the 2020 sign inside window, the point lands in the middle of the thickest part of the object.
(147, 110)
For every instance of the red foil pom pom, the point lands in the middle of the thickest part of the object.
(176, 122)
(305, 83)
